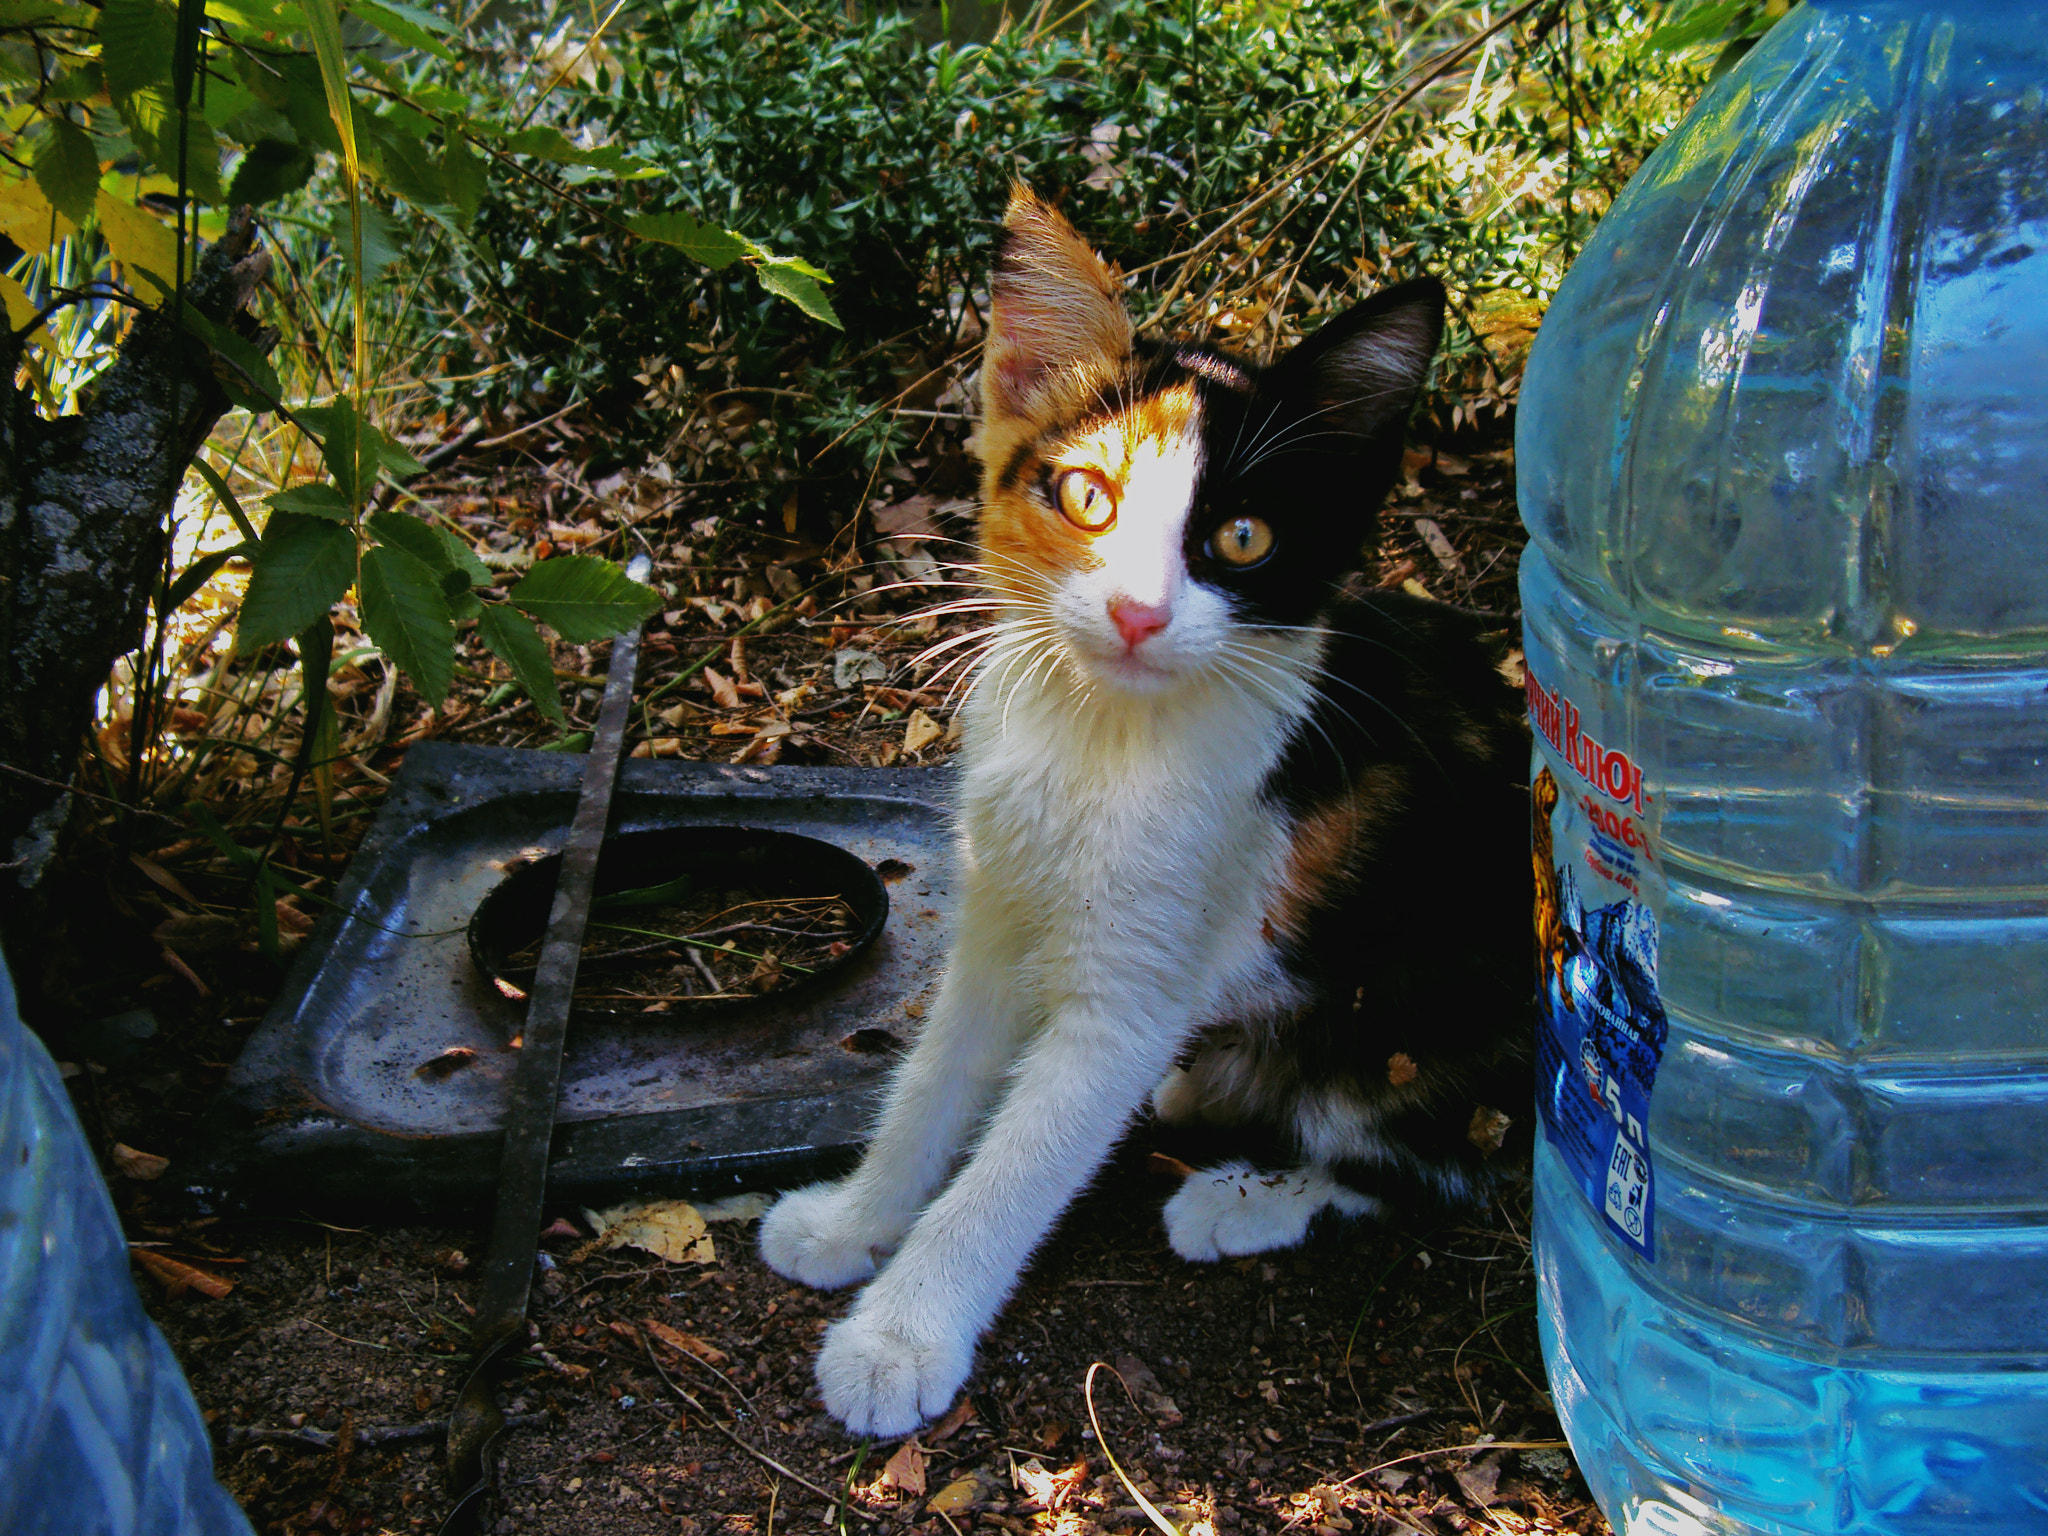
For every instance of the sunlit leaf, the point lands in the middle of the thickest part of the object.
(406, 25)
(316, 498)
(704, 242)
(147, 251)
(514, 641)
(407, 618)
(781, 276)
(29, 219)
(302, 568)
(137, 38)
(582, 598)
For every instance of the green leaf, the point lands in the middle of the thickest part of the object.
(271, 169)
(383, 241)
(68, 168)
(405, 25)
(417, 538)
(154, 124)
(403, 161)
(243, 371)
(583, 598)
(199, 573)
(137, 38)
(226, 498)
(514, 641)
(316, 498)
(714, 247)
(45, 13)
(405, 614)
(1698, 25)
(303, 566)
(354, 449)
(464, 175)
(782, 276)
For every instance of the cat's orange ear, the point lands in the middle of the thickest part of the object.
(1058, 326)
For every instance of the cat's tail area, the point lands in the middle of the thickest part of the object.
(1234, 1209)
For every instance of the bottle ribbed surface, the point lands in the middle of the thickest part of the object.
(1783, 454)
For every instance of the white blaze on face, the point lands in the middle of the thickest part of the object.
(1134, 617)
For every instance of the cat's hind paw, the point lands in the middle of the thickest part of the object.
(882, 1376)
(818, 1237)
(1234, 1209)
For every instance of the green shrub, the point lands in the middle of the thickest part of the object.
(886, 158)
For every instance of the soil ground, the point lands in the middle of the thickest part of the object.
(1379, 1380)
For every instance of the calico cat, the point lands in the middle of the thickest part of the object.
(1230, 838)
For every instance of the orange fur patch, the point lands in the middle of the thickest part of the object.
(1019, 534)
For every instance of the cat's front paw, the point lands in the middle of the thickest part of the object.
(1234, 1209)
(820, 1237)
(884, 1375)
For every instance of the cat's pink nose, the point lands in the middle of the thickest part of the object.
(1138, 622)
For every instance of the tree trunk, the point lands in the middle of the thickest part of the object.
(84, 504)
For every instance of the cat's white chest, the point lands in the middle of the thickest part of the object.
(1130, 841)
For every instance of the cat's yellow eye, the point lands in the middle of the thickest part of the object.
(1084, 500)
(1242, 541)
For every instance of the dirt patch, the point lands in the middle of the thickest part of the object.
(1376, 1380)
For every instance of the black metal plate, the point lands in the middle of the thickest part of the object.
(327, 1104)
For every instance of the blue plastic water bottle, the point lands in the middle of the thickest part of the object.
(99, 1435)
(1783, 455)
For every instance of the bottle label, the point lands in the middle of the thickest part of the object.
(1601, 1029)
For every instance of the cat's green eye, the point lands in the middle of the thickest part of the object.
(1084, 500)
(1242, 541)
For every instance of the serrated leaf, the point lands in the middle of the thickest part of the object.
(348, 458)
(706, 243)
(316, 498)
(29, 219)
(68, 168)
(583, 599)
(383, 241)
(271, 169)
(153, 124)
(147, 251)
(302, 568)
(407, 618)
(800, 288)
(406, 26)
(463, 173)
(514, 641)
(416, 537)
(462, 558)
(45, 13)
(137, 39)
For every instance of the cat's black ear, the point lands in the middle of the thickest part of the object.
(1362, 371)
(1057, 322)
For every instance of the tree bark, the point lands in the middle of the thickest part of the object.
(85, 501)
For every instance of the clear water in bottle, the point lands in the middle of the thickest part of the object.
(1783, 455)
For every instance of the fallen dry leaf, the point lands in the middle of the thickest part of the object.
(1401, 1069)
(437, 1068)
(905, 1469)
(138, 1165)
(178, 1277)
(960, 1413)
(1488, 1130)
(668, 1229)
(1161, 1162)
(955, 1496)
(921, 732)
(722, 688)
(684, 1343)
